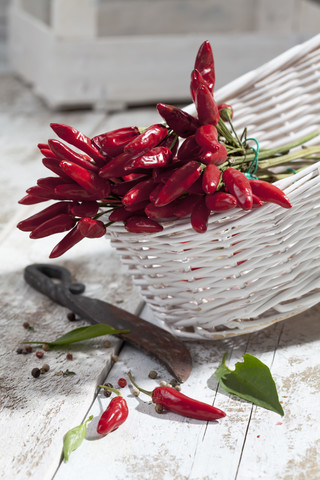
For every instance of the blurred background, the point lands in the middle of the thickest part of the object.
(113, 54)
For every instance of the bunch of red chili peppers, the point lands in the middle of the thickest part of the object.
(142, 176)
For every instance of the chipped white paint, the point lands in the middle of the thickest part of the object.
(250, 443)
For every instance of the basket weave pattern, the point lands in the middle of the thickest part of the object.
(249, 269)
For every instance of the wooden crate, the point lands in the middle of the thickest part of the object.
(108, 54)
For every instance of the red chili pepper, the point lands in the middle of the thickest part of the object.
(46, 193)
(77, 139)
(238, 184)
(139, 192)
(30, 199)
(210, 179)
(119, 214)
(115, 167)
(137, 208)
(159, 212)
(199, 216)
(138, 224)
(115, 415)
(85, 209)
(184, 206)
(206, 106)
(60, 223)
(90, 181)
(53, 165)
(205, 65)
(221, 201)
(178, 183)
(47, 152)
(50, 183)
(65, 153)
(196, 187)
(156, 157)
(182, 123)
(268, 192)
(181, 404)
(90, 228)
(75, 192)
(172, 142)
(217, 157)
(207, 137)
(69, 241)
(196, 81)
(32, 222)
(112, 143)
(124, 187)
(147, 140)
(256, 201)
(189, 149)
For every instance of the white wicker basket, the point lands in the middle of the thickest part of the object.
(250, 269)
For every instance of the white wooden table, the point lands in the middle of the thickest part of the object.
(250, 443)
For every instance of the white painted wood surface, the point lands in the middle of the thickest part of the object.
(250, 443)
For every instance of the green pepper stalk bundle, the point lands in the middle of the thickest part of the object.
(189, 166)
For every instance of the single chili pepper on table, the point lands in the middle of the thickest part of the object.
(181, 404)
(178, 183)
(77, 139)
(267, 192)
(182, 123)
(112, 143)
(147, 140)
(239, 186)
(115, 415)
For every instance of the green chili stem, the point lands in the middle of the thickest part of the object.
(147, 392)
(110, 389)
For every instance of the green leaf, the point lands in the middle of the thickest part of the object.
(252, 381)
(73, 438)
(82, 333)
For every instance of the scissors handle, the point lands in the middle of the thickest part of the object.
(41, 277)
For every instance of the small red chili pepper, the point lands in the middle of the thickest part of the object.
(124, 187)
(53, 165)
(196, 81)
(77, 139)
(46, 193)
(115, 167)
(115, 415)
(50, 183)
(137, 208)
(207, 137)
(119, 214)
(196, 187)
(182, 123)
(204, 63)
(138, 224)
(172, 142)
(199, 216)
(210, 179)
(178, 183)
(122, 382)
(35, 220)
(159, 212)
(65, 153)
(184, 206)
(189, 149)
(85, 209)
(47, 152)
(181, 404)
(206, 106)
(147, 140)
(60, 223)
(221, 201)
(268, 192)
(75, 192)
(217, 157)
(238, 184)
(90, 228)
(30, 199)
(256, 201)
(89, 180)
(69, 241)
(112, 143)
(156, 157)
(139, 192)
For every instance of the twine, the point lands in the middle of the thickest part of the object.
(254, 164)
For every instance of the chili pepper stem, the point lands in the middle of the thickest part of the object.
(147, 392)
(110, 389)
